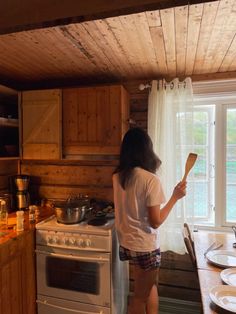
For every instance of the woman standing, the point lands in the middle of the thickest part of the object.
(138, 196)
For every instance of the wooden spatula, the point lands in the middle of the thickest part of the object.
(189, 164)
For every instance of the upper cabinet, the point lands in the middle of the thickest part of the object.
(41, 124)
(94, 120)
(9, 123)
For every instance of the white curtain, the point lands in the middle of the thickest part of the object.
(170, 121)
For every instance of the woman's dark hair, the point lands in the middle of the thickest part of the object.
(136, 151)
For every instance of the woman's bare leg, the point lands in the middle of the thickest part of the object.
(143, 284)
(152, 306)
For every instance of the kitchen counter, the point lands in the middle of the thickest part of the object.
(17, 265)
(11, 233)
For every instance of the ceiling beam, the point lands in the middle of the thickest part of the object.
(21, 15)
(70, 82)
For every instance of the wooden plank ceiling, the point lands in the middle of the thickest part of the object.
(182, 41)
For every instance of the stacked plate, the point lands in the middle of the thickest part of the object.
(222, 258)
(225, 295)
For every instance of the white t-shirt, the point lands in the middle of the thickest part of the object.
(131, 215)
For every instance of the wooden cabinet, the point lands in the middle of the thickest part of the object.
(9, 128)
(94, 120)
(17, 275)
(41, 124)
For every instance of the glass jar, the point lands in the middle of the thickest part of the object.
(3, 214)
(31, 213)
(20, 220)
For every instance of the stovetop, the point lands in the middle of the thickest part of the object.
(105, 226)
(81, 236)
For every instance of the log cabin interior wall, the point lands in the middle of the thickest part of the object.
(84, 176)
(8, 167)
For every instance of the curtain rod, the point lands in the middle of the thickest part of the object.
(171, 84)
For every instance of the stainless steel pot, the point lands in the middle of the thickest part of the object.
(71, 215)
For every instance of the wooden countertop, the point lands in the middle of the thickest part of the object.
(11, 233)
(208, 274)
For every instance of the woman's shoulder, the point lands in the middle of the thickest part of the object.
(145, 174)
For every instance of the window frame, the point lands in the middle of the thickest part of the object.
(224, 108)
(209, 109)
(223, 95)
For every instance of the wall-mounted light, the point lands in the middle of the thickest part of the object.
(144, 86)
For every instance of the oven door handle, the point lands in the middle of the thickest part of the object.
(81, 258)
(45, 302)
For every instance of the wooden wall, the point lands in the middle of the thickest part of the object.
(60, 179)
(17, 275)
(8, 167)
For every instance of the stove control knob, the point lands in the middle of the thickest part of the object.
(72, 241)
(65, 241)
(88, 242)
(56, 240)
(49, 239)
(80, 242)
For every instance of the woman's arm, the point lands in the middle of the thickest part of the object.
(158, 215)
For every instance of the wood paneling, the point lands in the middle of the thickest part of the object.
(62, 179)
(17, 275)
(41, 124)
(188, 40)
(23, 17)
(8, 167)
(94, 120)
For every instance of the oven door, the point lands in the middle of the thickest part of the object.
(81, 276)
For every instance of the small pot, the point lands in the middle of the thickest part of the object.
(71, 215)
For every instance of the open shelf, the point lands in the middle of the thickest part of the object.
(8, 122)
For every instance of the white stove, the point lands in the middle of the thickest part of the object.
(78, 269)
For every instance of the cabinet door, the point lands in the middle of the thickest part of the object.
(41, 124)
(94, 120)
(17, 275)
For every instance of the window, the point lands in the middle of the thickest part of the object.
(214, 182)
(230, 164)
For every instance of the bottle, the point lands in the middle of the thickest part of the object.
(20, 220)
(3, 214)
(31, 213)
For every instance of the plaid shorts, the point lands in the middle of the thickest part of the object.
(145, 260)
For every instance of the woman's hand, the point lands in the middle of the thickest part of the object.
(180, 190)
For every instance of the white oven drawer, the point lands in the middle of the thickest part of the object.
(77, 275)
(50, 305)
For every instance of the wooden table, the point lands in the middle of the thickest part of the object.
(208, 274)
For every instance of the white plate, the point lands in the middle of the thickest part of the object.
(228, 275)
(222, 258)
(224, 297)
